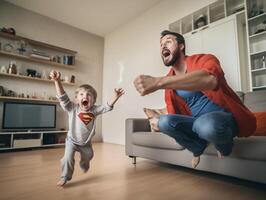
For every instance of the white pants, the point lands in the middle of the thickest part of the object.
(68, 161)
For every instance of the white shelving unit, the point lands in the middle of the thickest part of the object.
(55, 57)
(256, 36)
(31, 139)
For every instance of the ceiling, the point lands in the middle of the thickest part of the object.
(99, 17)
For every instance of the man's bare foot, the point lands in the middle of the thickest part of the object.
(195, 161)
(84, 170)
(61, 183)
(219, 155)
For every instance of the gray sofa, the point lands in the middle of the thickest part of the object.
(247, 161)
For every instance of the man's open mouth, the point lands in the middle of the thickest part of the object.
(166, 53)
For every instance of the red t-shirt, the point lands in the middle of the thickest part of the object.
(222, 95)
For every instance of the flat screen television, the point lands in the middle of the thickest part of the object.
(18, 115)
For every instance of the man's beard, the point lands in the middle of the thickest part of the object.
(171, 62)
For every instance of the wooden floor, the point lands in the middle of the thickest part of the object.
(32, 175)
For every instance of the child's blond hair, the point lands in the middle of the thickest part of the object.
(89, 89)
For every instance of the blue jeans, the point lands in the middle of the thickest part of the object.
(194, 133)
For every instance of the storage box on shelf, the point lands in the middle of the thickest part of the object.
(31, 139)
(256, 25)
(186, 24)
(200, 18)
(176, 26)
(217, 11)
(26, 140)
(234, 6)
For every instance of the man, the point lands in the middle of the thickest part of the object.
(201, 107)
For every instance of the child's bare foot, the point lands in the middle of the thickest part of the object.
(219, 155)
(195, 161)
(61, 183)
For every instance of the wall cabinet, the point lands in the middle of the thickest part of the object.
(225, 47)
(219, 39)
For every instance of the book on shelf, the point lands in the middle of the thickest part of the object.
(41, 53)
(40, 57)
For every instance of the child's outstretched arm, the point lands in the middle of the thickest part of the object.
(65, 102)
(110, 104)
(56, 77)
(117, 94)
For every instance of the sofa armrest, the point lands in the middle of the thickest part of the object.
(135, 125)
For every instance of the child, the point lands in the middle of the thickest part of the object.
(82, 115)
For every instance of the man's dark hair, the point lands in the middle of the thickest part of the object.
(179, 38)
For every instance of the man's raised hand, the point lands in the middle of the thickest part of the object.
(145, 84)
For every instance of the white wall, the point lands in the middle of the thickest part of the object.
(89, 58)
(133, 50)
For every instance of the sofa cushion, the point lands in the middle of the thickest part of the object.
(155, 140)
(253, 148)
(256, 100)
(261, 124)
(240, 95)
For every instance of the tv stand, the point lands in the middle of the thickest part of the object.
(31, 139)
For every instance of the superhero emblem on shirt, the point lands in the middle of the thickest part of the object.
(86, 117)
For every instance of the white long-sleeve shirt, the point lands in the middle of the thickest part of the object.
(81, 131)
